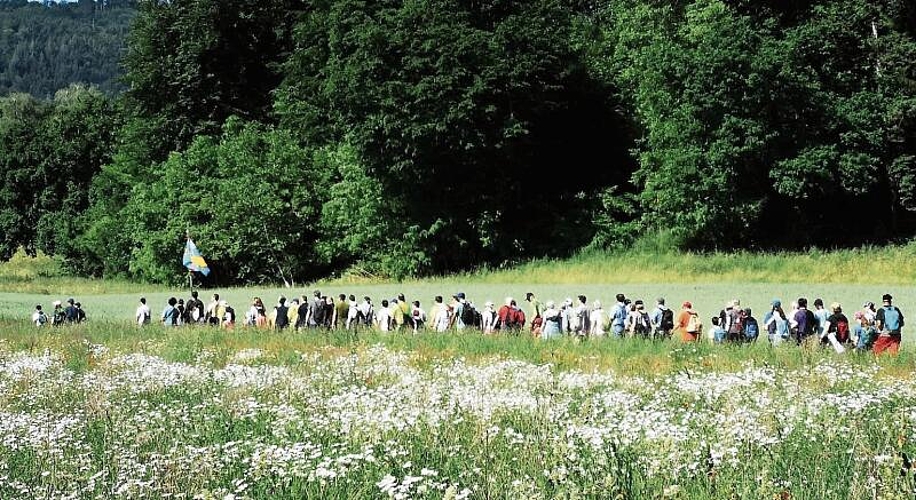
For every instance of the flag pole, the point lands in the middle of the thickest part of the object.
(187, 235)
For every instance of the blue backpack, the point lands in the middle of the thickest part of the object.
(620, 315)
(892, 319)
(751, 329)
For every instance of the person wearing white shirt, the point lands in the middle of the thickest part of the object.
(383, 318)
(143, 313)
(599, 319)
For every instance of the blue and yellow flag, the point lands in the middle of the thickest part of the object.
(192, 259)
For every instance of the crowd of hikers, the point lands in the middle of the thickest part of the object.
(72, 313)
(872, 328)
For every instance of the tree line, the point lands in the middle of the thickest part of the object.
(301, 139)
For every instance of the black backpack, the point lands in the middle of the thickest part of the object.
(667, 322)
(468, 315)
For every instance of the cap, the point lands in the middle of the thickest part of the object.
(70, 300)
(886, 297)
(460, 295)
(687, 305)
(776, 303)
(660, 300)
(529, 295)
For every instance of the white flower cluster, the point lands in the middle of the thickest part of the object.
(376, 424)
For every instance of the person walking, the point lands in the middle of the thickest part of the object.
(689, 323)
(39, 318)
(143, 316)
(889, 321)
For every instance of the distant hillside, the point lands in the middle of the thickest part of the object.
(44, 48)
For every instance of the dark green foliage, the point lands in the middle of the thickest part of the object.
(477, 120)
(251, 199)
(404, 138)
(46, 48)
(50, 153)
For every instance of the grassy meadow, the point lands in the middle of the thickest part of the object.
(106, 409)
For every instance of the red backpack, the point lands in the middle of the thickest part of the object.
(842, 331)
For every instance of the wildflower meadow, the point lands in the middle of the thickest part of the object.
(104, 411)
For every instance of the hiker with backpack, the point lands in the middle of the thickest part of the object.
(805, 322)
(889, 323)
(688, 323)
(143, 315)
(638, 323)
(600, 321)
(750, 326)
(488, 318)
(734, 321)
(836, 328)
(552, 326)
(194, 309)
(417, 317)
(39, 318)
(776, 323)
(717, 332)
(281, 312)
(582, 317)
(170, 313)
(619, 315)
(866, 334)
(662, 320)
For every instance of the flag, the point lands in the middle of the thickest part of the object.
(192, 259)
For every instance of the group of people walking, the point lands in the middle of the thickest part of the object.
(872, 328)
(71, 314)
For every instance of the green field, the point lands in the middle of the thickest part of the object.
(109, 410)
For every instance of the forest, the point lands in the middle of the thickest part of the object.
(44, 48)
(396, 138)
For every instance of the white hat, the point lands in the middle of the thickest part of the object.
(597, 304)
(55, 303)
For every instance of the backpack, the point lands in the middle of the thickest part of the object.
(842, 331)
(667, 322)
(892, 319)
(751, 328)
(468, 315)
(620, 315)
(641, 323)
(737, 321)
(693, 323)
(42, 319)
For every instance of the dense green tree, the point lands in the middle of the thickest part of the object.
(764, 124)
(49, 154)
(250, 199)
(477, 120)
